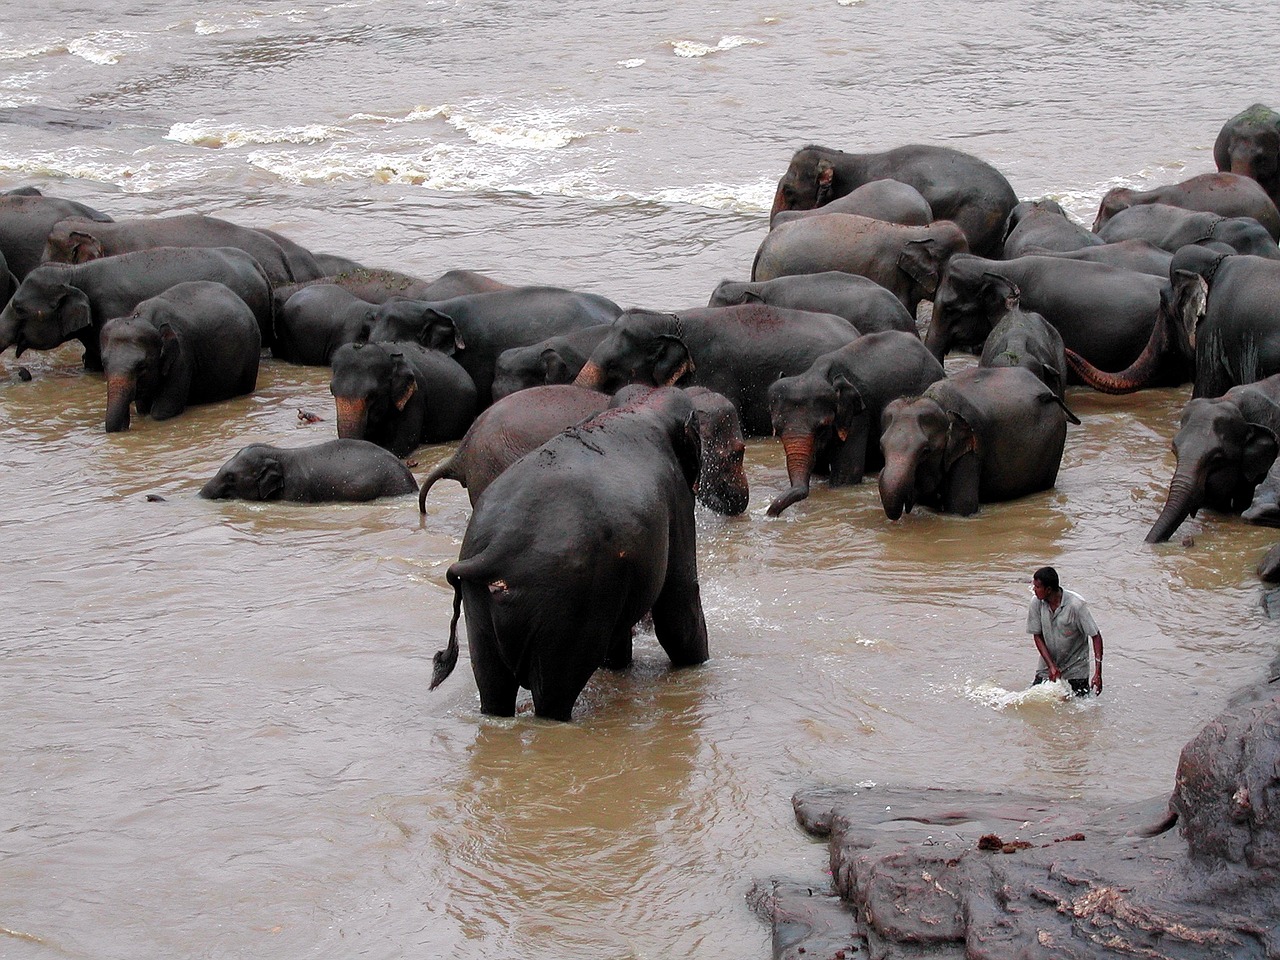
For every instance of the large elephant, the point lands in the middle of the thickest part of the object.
(336, 471)
(1226, 194)
(378, 286)
(1224, 446)
(400, 395)
(317, 320)
(1023, 338)
(982, 435)
(79, 241)
(1219, 315)
(197, 342)
(1043, 226)
(829, 416)
(1172, 228)
(58, 302)
(889, 200)
(735, 351)
(555, 360)
(1249, 144)
(521, 422)
(863, 302)
(480, 326)
(958, 186)
(569, 548)
(1104, 313)
(25, 222)
(905, 260)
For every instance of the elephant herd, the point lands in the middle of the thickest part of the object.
(588, 431)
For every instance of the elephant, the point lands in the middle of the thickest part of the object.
(400, 395)
(1044, 225)
(735, 351)
(521, 422)
(1249, 144)
(958, 186)
(479, 326)
(1103, 313)
(829, 416)
(197, 342)
(1220, 314)
(555, 360)
(25, 222)
(336, 471)
(1023, 338)
(568, 549)
(58, 302)
(1141, 256)
(79, 241)
(863, 302)
(1171, 228)
(317, 320)
(906, 260)
(1226, 194)
(886, 199)
(380, 286)
(1264, 508)
(1225, 446)
(982, 435)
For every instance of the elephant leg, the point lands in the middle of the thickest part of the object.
(497, 684)
(960, 493)
(849, 459)
(678, 622)
(619, 655)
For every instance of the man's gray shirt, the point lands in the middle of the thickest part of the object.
(1066, 633)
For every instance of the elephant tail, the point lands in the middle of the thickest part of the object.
(444, 470)
(445, 660)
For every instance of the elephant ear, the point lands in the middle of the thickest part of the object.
(960, 439)
(1190, 298)
(687, 441)
(441, 333)
(83, 247)
(670, 360)
(1260, 448)
(824, 179)
(554, 368)
(73, 312)
(921, 260)
(403, 383)
(1001, 290)
(170, 350)
(849, 404)
(270, 478)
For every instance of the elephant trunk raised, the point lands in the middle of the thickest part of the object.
(799, 450)
(353, 417)
(1185, 496)
(121, 390)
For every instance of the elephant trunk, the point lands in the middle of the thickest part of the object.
(120, 393)
(896, 488)
(779, 204)
(723, 488)
(590, 377)
(799, 450)
(353, 417)
(8, 328)
(1185, 496)
(1139, 373)
(444, 470)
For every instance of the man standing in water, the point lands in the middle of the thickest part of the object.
(1060, 623)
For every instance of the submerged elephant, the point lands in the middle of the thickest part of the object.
(340, 470)
(555, 360)
(317, 320)
(1043, 226)
(958, 186)
(195, 343)
(1224, 446)
(400, 395)
(1025, 339)
(829, 416)
(863, 302)
(569, 548)
(1172, 228)
(1224, 194)
(1249, 144)
(980, 436)
(889, 200)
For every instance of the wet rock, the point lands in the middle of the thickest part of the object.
(1269, 565)
(24, 374)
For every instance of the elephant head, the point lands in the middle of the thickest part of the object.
(722, 481)
(641, 347)
(729, 293)
(1221, 459)
(70, 242)
(369, 381)
(1249, 145)
(808, 183)
(812, 414)
(416, 320)
(135, 356)
(925, 260)
(45, 311)
(969, 298)
(922, 444)
(252, 474)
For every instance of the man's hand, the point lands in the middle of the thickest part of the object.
(1096, 682)
(1054, 672)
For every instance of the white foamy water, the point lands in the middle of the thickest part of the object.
(106, 47)
(208, 133)
(1053, 693)
(692, 49)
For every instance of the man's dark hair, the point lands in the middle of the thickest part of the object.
(1048, 578)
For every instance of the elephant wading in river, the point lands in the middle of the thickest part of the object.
(1226, 194)
(1224, 446)
(568, 549)
(958, 187)
(863, 302)
(333, 471)
(980, 436)
(879, 199)
(1249, 144)
(829, 416)
(1025, 339)
(195, 343)
(25, 222)
(1172, 228)
(555, 360)
(1043, 226)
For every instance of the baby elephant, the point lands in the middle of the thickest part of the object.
(334, 471)
(197, 342)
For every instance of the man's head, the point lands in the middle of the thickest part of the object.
(1045, 582)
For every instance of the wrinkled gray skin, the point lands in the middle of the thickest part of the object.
(317, 320)
(568, 549)
(863, 302)
(1226, 194)
(555, 360)
(379, 286)
(58, 302)
(1043, 224)
(735, 351)
(829, 416)
(1224, 446)
(334, 471)
(1103, 313)
(1219, 314)
(79, 241)
(478, 327)
(1141, 256)
(1023, 338)
(905, 260)
(400, 395)
(889, 200)
(195, 343)
(1171, 228)
(980, 436)
(1249, 144)
(1264, 508)
(958, 186)
(25, 222)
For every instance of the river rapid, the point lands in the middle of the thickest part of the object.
(215, 732)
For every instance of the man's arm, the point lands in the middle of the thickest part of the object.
(1096, 683)
(1054, 672)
